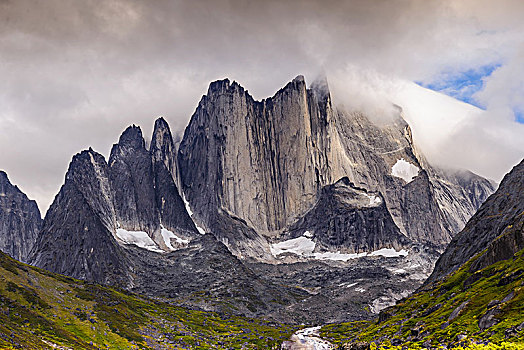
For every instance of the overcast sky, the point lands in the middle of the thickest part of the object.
(74, 74)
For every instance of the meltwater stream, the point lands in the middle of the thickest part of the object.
(307, 339)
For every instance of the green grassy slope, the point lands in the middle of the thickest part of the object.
(41, 310)
(448, 312)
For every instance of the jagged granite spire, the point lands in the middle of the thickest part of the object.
(168, 200)
(77, 237)
(131, 176)
(20, 220)
(136, 192)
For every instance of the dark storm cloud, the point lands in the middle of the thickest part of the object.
(74, 73)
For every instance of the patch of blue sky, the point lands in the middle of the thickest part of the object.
(462, 85)
(519, 116)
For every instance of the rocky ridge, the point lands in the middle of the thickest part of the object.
(20, 220)
(106, 205)
(348, 219)
(474, 296)
(292, 174)
(108, 225)
(496, 231)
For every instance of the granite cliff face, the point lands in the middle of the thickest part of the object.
(20, 220)
(496, 230)
(260, 161)
(264, 164)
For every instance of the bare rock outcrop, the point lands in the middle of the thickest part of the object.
(102, 207)
(350, 220)
(20, 220)
(77, 237)
(497, 228)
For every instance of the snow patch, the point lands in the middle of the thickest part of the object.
(304, 246)
(190, 212)
(348, 284)
(404, 170)
(338, 256)
(167, 235)
(138, 238)
(373, 200)
(360, 290)
(300, 246)
(308, 234)
(389, 253)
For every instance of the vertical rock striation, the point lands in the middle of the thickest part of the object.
(131, 177)
(20, 220)
(259, 161)
(264, 163)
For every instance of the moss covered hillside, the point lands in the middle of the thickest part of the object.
(484, 310)
(41, 310)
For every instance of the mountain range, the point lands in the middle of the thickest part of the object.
(290, 208)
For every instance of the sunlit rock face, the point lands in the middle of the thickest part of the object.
(20, 220)
(262, 161)
(263, 164)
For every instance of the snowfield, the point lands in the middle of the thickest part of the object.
(404, 170)
(374, 200)
(190, 212)
(389, 252)
(299, 246)
(304, 246)
(138, 238)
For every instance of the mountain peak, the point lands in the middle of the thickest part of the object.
(160, 123)
(132, 136)
(20, 220)
(218, 86)
(87, 157)
(3, 176)
(162, 141)
(299, 79)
